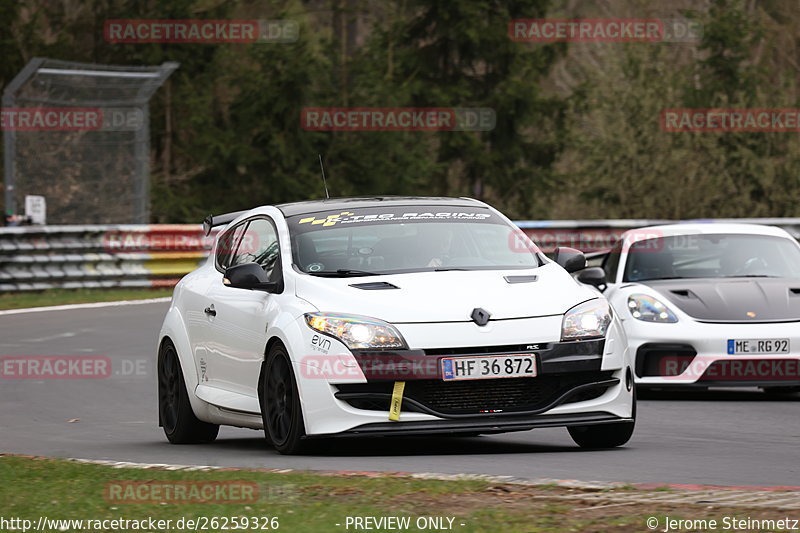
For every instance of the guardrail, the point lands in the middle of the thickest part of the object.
(70, 257)
(46, 257)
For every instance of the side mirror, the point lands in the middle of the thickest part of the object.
(571, 259)
(249, 276)
(595, 276)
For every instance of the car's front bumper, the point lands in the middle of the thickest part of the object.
(577, 383)
(694, 354)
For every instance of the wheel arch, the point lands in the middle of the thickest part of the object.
(272, 341)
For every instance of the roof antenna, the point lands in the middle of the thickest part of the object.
(324, 181)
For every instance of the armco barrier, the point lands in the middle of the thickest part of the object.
(45, 257)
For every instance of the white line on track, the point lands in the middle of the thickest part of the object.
(64, 335)
(84, 306)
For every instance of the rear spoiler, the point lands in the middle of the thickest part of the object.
(212, 221)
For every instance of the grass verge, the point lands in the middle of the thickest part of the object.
(20, 300)
(308, 502)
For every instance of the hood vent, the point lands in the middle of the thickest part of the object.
(374, 286)
(520, 279)
(683, 293)
(794, 291)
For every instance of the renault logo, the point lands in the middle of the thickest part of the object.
(480, 316)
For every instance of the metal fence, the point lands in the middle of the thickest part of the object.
(78, 134)
(44, 257)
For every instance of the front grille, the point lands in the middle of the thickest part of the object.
(477, 396)
(485, 395)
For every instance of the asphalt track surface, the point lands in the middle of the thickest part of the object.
(726, 438)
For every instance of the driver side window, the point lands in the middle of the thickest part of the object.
(226, 245)
(259, 244)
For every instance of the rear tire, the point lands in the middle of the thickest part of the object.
(180, 424)
(280, 404)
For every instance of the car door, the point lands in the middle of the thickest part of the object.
(196, 308)
(238, 324)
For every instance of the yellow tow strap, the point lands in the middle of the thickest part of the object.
(397, 400)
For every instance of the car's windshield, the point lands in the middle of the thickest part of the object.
(384, 240)
(712, 256)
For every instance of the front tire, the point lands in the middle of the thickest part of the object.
(280, 403)
(175, 414)
(601, 436)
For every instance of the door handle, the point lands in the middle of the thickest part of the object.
(210, 311)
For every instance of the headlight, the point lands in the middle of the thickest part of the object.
(647, 308)
(357, 332)
(587, 320)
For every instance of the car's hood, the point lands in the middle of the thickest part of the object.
(447, 296)
(734, 299)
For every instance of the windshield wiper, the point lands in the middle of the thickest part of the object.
(343, 273)
(447, 269)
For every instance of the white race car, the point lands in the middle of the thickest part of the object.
(709, 304)
(389, 316)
